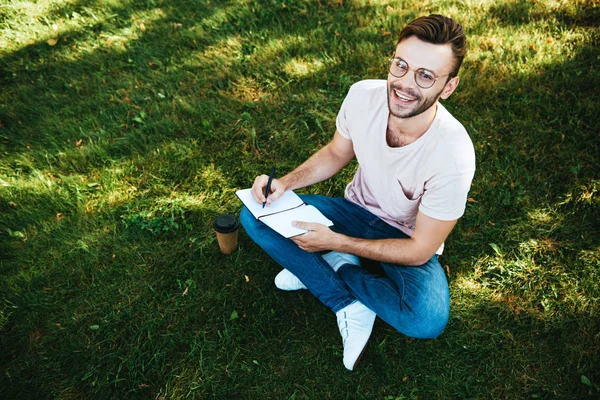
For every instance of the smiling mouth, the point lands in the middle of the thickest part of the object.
(403, 97)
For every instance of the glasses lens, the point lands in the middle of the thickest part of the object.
(424, 78)
(398, 67)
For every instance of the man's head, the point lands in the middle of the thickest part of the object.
(437, 29)
(425, 65)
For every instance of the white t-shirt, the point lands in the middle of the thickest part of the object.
(433, 174)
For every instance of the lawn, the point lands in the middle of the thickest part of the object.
(126, 127)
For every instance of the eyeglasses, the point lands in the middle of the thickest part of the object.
(424, 78)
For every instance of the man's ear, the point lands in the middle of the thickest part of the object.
(450, 87)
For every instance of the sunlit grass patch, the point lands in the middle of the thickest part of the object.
(534, 278)
(587, 194)
(299, 68)
(222, 53)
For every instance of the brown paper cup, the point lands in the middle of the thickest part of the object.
(226, 226)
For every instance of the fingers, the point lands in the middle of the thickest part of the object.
(309, 226)
(277, 190)
(300, 224)
(259, 186)
(316, 239)
(303, 241)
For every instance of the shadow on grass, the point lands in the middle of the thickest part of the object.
(105, 300)
(585, 13)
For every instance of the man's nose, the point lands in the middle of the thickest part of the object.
(408, 80)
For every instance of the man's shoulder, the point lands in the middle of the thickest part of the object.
(365, 103)
(448, 125)
(367, 95)
(457, 141)
(368, 86)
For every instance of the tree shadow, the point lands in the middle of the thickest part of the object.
(516, 13)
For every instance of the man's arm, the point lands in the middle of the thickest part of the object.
(320, 166)
(428, 236)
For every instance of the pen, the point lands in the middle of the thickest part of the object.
(268, 189)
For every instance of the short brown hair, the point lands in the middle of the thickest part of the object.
(437, 29)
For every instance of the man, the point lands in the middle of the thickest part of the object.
(416, 164)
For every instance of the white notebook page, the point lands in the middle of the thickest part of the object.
(285, 202)
(282, 223)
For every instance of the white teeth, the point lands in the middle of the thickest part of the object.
(402, 97)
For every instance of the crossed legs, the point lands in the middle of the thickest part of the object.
(414, 300)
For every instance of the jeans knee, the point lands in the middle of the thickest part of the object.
(432, 326)
(247, 219)
(256, 230)
(435, 330)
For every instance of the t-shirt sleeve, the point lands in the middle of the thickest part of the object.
(445, 196)
(342, 122)
(445, 193)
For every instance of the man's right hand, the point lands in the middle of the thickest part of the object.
(259, 186)
(320, 166)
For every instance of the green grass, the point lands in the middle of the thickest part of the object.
(126, 127)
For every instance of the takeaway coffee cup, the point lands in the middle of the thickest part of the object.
(226, 226)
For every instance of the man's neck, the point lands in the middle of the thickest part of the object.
(404, 131)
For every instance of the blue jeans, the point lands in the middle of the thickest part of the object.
(414, 300)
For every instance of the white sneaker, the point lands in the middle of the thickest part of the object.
(285, 280)
(356, 324)
(336, 260)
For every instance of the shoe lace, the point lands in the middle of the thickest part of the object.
(343, 327)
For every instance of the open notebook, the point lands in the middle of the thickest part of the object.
(280, 214)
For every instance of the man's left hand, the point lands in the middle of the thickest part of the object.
(319, 237)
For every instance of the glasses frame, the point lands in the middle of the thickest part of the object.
(408, 68)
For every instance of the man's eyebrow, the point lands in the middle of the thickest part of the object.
(427, 69)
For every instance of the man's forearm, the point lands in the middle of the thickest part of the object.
(319, 167)
(428, 236)
(393, 251)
